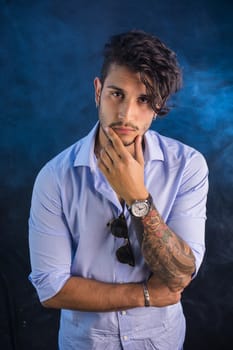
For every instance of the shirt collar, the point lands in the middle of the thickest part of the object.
(153, 150)
(86, 155)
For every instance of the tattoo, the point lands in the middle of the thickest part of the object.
(167, 255)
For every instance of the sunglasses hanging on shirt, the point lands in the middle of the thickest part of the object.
(119, 229)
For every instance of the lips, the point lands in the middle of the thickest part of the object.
(123, 130)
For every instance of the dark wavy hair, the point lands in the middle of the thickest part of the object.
(151, 58)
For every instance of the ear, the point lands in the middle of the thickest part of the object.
(98, 88)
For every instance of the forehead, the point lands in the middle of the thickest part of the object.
(124, 78)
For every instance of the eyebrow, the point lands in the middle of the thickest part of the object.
(114, 87)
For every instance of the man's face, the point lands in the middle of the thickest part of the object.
(124, 104)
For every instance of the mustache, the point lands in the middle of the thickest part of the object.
(130, 125)
(119, 124)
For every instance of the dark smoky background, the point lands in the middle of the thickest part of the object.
(50, 52)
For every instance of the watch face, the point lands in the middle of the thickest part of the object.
(140, 209)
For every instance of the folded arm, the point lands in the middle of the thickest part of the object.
(90, 295)
(167, 255)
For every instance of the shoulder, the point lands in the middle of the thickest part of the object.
(176, 152)
(61, 164)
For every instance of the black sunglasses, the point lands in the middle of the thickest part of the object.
(119, 229)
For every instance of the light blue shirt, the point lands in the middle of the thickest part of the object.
(71, 205)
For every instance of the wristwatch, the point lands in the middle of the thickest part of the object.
(140, 208)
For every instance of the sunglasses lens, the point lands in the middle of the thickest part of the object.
(119, 228)
(125, 255)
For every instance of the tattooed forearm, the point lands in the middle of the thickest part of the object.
(166, 254)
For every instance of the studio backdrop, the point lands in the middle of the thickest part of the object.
(50, 52)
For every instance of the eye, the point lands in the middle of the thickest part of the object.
(117, 94)
(144, 99)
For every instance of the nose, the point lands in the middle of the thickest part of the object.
(127, 110)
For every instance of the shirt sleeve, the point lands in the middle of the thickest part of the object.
(49, 238)
(188, 215)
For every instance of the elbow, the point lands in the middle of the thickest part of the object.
(57, 301)
(179, 284)
(46, 304)
(51, 303)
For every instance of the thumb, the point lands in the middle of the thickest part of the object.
(138, 150)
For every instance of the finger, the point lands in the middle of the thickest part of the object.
(117, 144)
(105, 163)
(112, 153)
(139, 151)
(103, 168)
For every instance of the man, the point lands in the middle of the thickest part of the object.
(117, 220)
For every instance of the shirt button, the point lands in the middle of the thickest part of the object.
(125, 337)
(123, 313)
